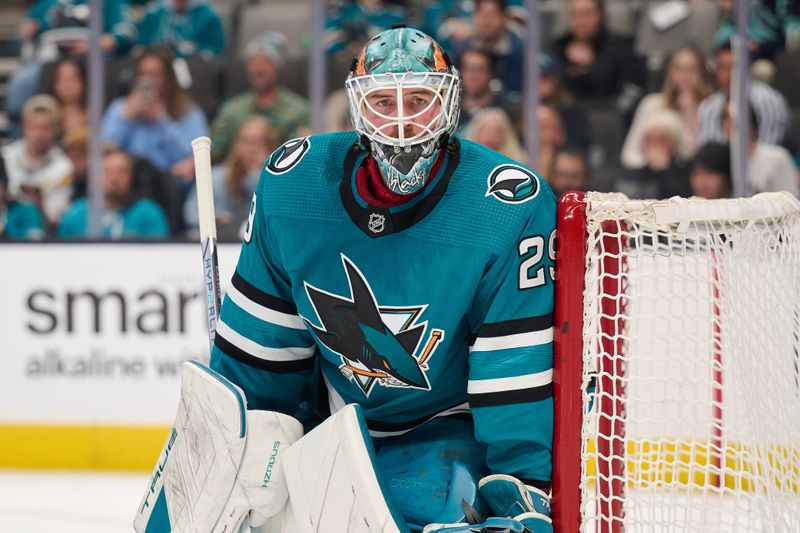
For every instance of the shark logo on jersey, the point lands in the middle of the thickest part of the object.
(288, 155)
(512, 184)
(377, 344)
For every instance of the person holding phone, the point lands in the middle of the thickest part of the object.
(158, 119)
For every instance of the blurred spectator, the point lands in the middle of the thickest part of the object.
(596, 62)
(124, 215)
(19, 220)
(158, 119)
(553, 92)
(570, 172)
(686, 85)
(769, 167)
(286, 110)
(38, 170)
(665, 173)
(769, 105)
(491, 32)
(552, 138)
(355, 22)
(711, 171)
(60, 28)
(189, 27)
(76, 146)
(235, 179)
(68, 86)
(492, 128)
(477, 73)
(71, 18)
(447, 20)
(765, 29)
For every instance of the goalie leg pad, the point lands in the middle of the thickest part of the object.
(332, 482)
(196, 485)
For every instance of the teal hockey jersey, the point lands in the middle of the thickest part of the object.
(440, 306)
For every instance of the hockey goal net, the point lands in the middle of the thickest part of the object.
(677, 389)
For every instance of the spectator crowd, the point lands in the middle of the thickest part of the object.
(613, 111)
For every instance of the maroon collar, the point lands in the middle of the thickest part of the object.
(373, 189)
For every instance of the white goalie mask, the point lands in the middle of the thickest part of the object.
(404, 99)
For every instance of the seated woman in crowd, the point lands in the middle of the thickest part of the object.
(687, 84)
(68, 87)
(158, 119)
(664, 173)
(235, 179)
(492, 128)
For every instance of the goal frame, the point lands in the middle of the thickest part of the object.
(568, 364)
(568, 369)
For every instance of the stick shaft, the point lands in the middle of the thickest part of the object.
(201, 147)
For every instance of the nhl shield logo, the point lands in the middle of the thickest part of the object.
(376, 222)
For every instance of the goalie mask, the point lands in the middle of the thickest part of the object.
(404, 99)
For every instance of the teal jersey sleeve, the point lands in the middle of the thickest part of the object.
(261, 342)
(511, 351)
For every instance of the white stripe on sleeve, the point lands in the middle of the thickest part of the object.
(289, 353)
(265, 313)
(518, 340)
(528, 381)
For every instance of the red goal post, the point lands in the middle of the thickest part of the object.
(677, 393)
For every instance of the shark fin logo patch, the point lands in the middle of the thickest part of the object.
(383, 345)
(288, 155)
(512, 184)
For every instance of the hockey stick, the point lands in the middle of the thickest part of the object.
(201, 147)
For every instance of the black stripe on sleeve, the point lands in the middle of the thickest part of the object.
(279, 367)
(520, 325)
(510, 397)
(379, 425)
(262, 298)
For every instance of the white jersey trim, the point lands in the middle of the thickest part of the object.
(264, 313)
(528, 381)
(518, 340)
(288, 353)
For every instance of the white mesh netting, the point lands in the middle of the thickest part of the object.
(691, 345)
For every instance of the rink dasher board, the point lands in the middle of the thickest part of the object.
(93, 337)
